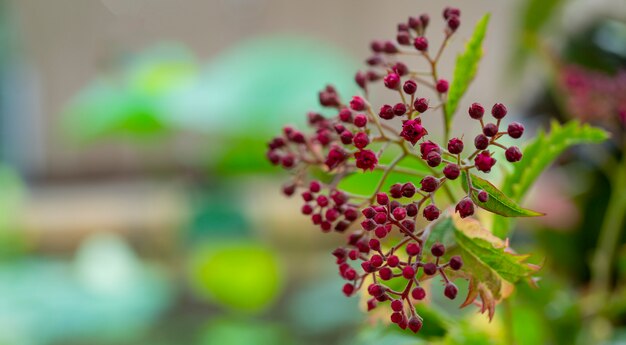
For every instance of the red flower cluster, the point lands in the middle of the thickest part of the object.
(356, 138)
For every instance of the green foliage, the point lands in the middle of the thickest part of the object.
(535, 14)
(539, 155)
(491, 267)
(466, 66)
(498, 202)
(240, 275)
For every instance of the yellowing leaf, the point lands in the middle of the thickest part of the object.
(491, 267)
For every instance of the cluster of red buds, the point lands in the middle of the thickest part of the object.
(356, 138)
(594, 96)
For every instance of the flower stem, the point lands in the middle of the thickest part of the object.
(610, 233)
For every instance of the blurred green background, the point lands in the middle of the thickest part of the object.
(136, 205)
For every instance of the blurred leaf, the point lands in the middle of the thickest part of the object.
(489, 264)
(535, 14)
(539, 155)
(242, 155)
(257, 86)
(105, 109)
(240, 275)
(132, 101)
(466, 66)
(12, 193)
(498, 202)
(310, 317)
(227, 331)
(383, 334)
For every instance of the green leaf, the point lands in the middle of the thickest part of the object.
(491, 267)
(466, 67)
(498, 202)
(539, 155)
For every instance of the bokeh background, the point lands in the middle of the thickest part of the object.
(136, 206)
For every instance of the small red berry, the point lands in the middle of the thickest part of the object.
(377, 46)
(380, 218)
(369, 212)
(428, 147)
(429, 184)
(515, 130)
(465, 207)
(438, 249)
(396, 191)
(385, 273)
(315, 186)
(399, 109)
(431, 212)
(396, 317)
(513, 154)
(345, 115)
(289, 189)
(421, 105)
(408, 272)
(390, 48)
(386, 112)
(433, 159)
(348, 289)
(413, 249)
(408, 190)
(484, 162)
(376, 260)
(453, 23)
(425, 19)
(498, 111)
(403, 38)
(371, 304)
(451, 11)
(410, 87)
(442, 86)
(393, 261)
(307, 209)
(382, 198)
(366, 159)
(376, 290)
(411, 210)
(430, 268)
(380, 232)
(374, 244)
(421, 43)
(450, 291)
(360, 120)
(455, 146)
(397, 305)
(392, 81)
(451, 171)
(415, 324)
(418, 293)
(456, 262)
(346, 137)
(361, 140)
(481, 142)
(400, 68)
(476, 111)
(483, 196)
(490, 130)
(357, 103)
(399, 213)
